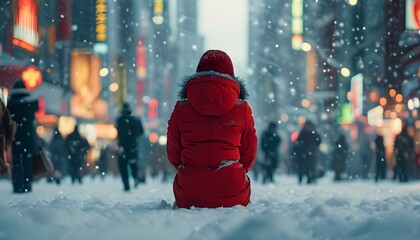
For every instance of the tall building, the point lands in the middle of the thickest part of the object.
(190, 43)
(277, 76)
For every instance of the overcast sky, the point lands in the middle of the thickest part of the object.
(224, 24)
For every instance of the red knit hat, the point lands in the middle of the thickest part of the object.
(216, 60)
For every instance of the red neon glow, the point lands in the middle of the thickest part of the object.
(294, 136)
(141, 69)
(153, 108)
(41, 108)
(25, 31)
(31, 77)
(416, 12)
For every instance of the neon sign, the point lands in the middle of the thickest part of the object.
(101, 27)
(25, 29)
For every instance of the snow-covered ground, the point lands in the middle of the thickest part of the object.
(285, 210)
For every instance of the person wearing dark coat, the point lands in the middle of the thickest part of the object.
(405, 154)
(212, 141)
(59, 155)
(339, 157)
(7, 134)
(129, 129)
(270, 144)
(77, 147)
(22, 108)
(307, 151)
(381, 165)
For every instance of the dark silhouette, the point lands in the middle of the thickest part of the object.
(270, 144)
(405, 155)
(59, 155)
(306, 151)
(339, 157)
(129, 129)
(365, 153)
(77, 147)
(381, 165)
(102, 162)
(22, 108)
(7, 133)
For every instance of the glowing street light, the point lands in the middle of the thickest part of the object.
(306, 47)
(113, 87)
(103, 72)
(345, 72)
(352, 2)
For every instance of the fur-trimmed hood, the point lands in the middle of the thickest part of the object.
(243, 94)
(212, 93)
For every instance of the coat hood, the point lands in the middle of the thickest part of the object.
(212, 93)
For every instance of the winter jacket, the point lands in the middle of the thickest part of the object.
(340, 152)
(380, 152)
(7, 130)
(404, 149)
(270, 144)
(129, 129)
(78, 147)
(212, 142)
(22, 109)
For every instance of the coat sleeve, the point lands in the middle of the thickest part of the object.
(248, 149)
(174, 147)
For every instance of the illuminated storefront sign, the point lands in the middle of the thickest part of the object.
(412, 14)
(375, 116)
(141, 69)
(357, 94)
(158, 12)
(86, 85)
(25, 29)
(346, 115)
(297, 24)
(101, 17)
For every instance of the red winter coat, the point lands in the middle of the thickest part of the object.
(212, 142)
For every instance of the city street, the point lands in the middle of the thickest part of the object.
(284, 210)
(146, 117)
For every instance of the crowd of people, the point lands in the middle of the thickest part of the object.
(211, 142)
(306, 160)
(21, 146)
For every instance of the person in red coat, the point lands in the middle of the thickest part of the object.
(212, 140)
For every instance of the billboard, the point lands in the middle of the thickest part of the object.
(86, 85)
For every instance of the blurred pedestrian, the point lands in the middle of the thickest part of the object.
(307, 152)
(404, 154)
(59, 155)
(77, 147)
(211, 137)
(129, 130)
(366, 153)
(7, 133)
(270, 145)
(102, 162)
(22, 107)
(339, 157)
(381, 165)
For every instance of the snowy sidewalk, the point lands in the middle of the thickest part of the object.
(101, 210)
